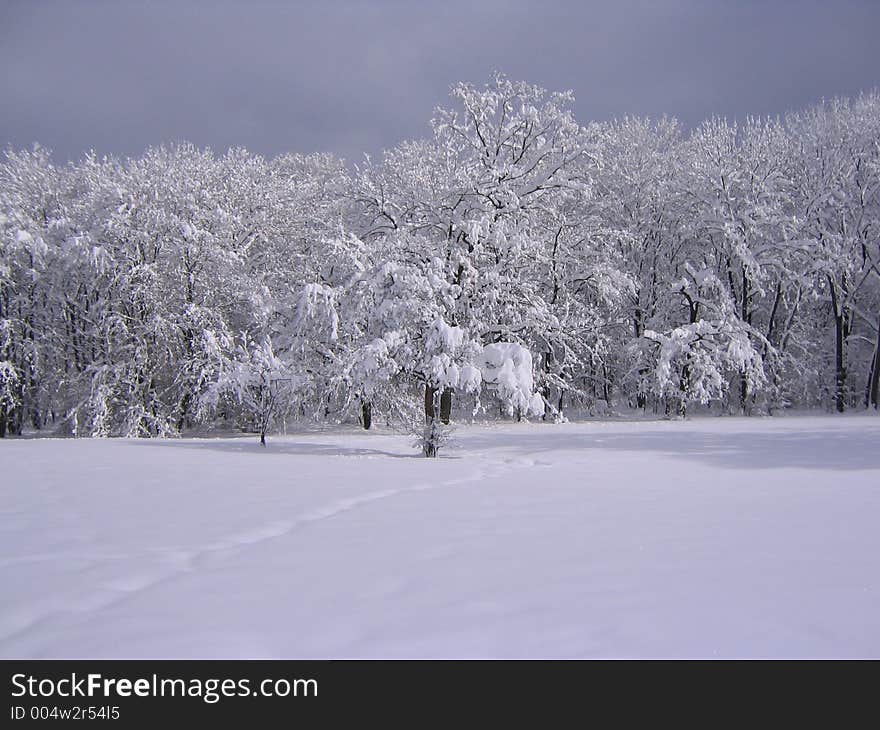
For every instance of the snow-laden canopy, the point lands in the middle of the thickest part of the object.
(508, 367)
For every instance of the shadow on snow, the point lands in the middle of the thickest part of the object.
(804, 449)
(813, 449)
(277, 447)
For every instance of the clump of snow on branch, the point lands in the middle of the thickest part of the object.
(507, 367)
(448, 349)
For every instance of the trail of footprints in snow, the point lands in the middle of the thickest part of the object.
(180, 561)
(283, 527)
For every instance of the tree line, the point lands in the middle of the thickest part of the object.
(513, 261)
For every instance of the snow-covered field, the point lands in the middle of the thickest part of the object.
(721, 537)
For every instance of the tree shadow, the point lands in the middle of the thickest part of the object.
(818, 449)
(803, 449)
(278, 448)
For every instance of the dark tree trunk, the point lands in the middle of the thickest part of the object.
(746, 314)
(639, 328)
(262, 437)
(367, 414)
(545, 390)
(446, 406)
(840, 327)
(182, 412)
(431, 437)
(743, 394)
(2, 425)
(874, 378)
(841, 332)
(429, 403)
(685, 388)
(15, 421)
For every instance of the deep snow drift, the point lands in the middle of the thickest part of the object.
(719, 537)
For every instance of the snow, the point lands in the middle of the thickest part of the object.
(315, 309)
(442, 337)
(373, 363)
(721, 537)
(508, 366)
(470, 378)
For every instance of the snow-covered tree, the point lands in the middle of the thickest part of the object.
(515, 257)
(258, 381)
(836, 193)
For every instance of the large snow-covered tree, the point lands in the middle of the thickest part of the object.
(513, 251)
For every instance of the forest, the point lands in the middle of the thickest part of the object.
(515, 262)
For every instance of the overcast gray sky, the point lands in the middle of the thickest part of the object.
(353, 77)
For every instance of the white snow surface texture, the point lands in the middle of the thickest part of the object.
(721, 537)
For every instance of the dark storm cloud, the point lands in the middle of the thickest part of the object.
(353, 77)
